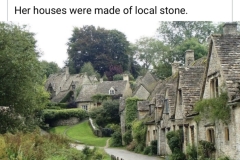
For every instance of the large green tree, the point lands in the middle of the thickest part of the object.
(21, 80)
(49, 67)
(103, 48)
(175, 32)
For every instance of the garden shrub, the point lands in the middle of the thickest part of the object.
(191, 152)
(127, 137)
(175, 142)
(205, 149)
(139, 131)
(154, 147)
(116, 139)
(147, 150)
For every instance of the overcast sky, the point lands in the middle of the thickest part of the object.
(53, 30)
(52, 37)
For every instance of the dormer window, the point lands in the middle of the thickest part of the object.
(111, 91)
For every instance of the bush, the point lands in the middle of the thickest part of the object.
(116, 139)
(191, 152)
(127, 137)
(175, 142)
(206, 149)
(154, 147)
(147, 150)
(117, 77)
(50, 115)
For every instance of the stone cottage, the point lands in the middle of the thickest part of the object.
(63, 85)
(80, 88)
(120, 88)
(223, 75)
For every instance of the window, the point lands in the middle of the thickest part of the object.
(166, 106)
(226, 134)
(214, 87)
(111, 91)
(186, 135)
(85, 107)
(179, 97)
(192, 134)
(210, 135)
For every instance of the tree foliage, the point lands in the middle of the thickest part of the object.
(49, 68)
(107, 114)
(99, 46)
(21, 80)
(175, 32)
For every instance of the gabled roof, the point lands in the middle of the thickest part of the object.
(227, 48)
(119, 86)
(138, 92)
(86, 93)
(148, 80)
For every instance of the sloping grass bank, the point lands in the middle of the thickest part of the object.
(81, 132)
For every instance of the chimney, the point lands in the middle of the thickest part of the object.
(189, 57)
(230, 28)
(125, 77)
(175, 66)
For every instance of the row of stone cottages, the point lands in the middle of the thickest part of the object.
(170, 102)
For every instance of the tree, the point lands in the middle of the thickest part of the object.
(199, 49)
(21, 80)
(49, 67)
(101, 47)
(175, 32)
(107, 114)
(88, 68)
(149, 51)
(153, 53)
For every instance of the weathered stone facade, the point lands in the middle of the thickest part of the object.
(223, 74)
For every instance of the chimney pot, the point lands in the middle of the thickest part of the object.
(189, 57)
(230, 28)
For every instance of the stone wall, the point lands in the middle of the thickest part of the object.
(65, 122)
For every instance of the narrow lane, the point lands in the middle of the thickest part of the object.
(127, 155)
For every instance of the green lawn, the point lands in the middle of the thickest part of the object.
(59, 129)
(83, 133)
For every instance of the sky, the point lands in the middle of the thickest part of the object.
(52, 38)
(53, 30)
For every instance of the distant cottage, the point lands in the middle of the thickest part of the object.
(80, 88)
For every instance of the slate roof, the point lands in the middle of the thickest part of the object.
(228, 51)
(119, 86)
(169, 83)
(86, 92)
(89, 90)
(190, 83)
(149, 81)
(62, 82)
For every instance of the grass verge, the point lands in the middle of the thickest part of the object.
(83, 133)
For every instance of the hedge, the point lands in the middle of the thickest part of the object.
(52, 114)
